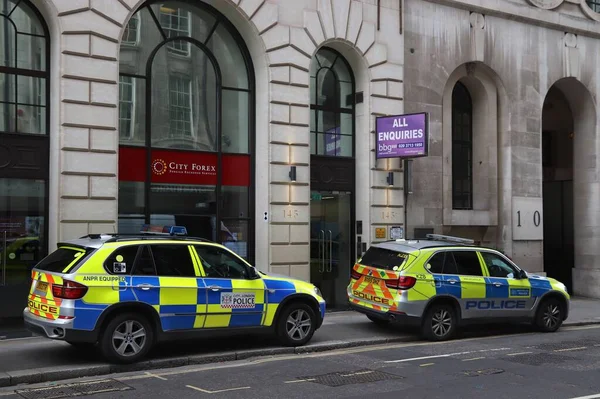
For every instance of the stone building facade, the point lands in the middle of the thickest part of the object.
(258, 116)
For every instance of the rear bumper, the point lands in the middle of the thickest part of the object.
(395, 317)
(56, 329)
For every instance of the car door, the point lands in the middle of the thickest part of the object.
(233, 298)
(459, 274)
(472, 284)
(511, 296)
(166, 277)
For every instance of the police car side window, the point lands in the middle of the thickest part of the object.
(144, 264)
(121, 260)
(467, 263)
(442, 263)
(217, 263)
(173, 260)
(497, 267)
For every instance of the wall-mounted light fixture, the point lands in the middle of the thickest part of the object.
(390, 178)
(292, 173)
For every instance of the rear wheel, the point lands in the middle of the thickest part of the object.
(549, 316)
(440, 322)
(296, 324)
(127, 338)
(380, 321)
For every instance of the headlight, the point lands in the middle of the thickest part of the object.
(318, 292)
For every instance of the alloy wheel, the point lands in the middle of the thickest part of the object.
(551, 315)
(129, 338)
(441, 322)
(298, 324)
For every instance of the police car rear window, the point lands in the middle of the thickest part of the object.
(383, 258)
(60, 259)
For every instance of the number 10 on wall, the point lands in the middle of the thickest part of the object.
(537, 218)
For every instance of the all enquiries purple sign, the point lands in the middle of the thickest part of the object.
(402, 136)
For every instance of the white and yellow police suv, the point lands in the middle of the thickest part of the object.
(443, 281)
(126, 293)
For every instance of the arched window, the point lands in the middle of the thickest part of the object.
(23, 69)
(332, 105)
(462, 148)
(594, 5)
(24, 147)
(186, 120)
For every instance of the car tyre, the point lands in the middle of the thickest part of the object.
(296, 324)
(440, 322)
(380, 321)
(127, 338)
(549, 316)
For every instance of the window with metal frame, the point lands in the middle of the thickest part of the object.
(196, 111)
(24, 66)
(462, 148)
(332, 105)
(594, 5)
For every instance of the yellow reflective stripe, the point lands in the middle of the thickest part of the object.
(194, 261)
(73, 248)
(199, 261)
(483, 265)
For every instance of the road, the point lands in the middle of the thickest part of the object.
(525, 365)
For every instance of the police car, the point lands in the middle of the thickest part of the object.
(442, 282)
(125, 293)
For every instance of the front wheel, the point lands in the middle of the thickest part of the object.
(127, 338)
(296, 324)
(439, 323)
(549, 316)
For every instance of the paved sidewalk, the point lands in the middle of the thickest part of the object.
(36, 359)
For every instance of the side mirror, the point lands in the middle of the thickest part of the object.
(522, 275)
(253, 274)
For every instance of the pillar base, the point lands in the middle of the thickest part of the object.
(586, 282)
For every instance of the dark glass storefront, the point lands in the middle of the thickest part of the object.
(24, 120)
(186, 124)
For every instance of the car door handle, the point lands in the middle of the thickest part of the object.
(453, 281)
(145, 287)
(497, 284)
(215, 288)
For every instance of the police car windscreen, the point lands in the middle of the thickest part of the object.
(383, 258)
(60, 259)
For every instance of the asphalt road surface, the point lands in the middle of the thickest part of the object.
(564, 365)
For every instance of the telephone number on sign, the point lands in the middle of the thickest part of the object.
(410, 145)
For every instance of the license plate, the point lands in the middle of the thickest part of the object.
(42, 286)
(372, 280)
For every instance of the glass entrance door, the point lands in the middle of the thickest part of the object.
(331, 244)
(22, 238)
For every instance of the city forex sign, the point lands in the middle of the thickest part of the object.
(402, 136)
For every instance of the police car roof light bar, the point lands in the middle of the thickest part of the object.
(441, 237)
(164, 230)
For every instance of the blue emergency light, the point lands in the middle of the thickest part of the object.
(164, 230)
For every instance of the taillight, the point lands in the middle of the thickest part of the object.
(403, 283)
(69, 290)
(355, 275)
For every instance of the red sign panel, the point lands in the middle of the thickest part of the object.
(183, 167)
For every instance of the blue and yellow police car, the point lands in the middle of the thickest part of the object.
(441, 282)
(125, 293)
